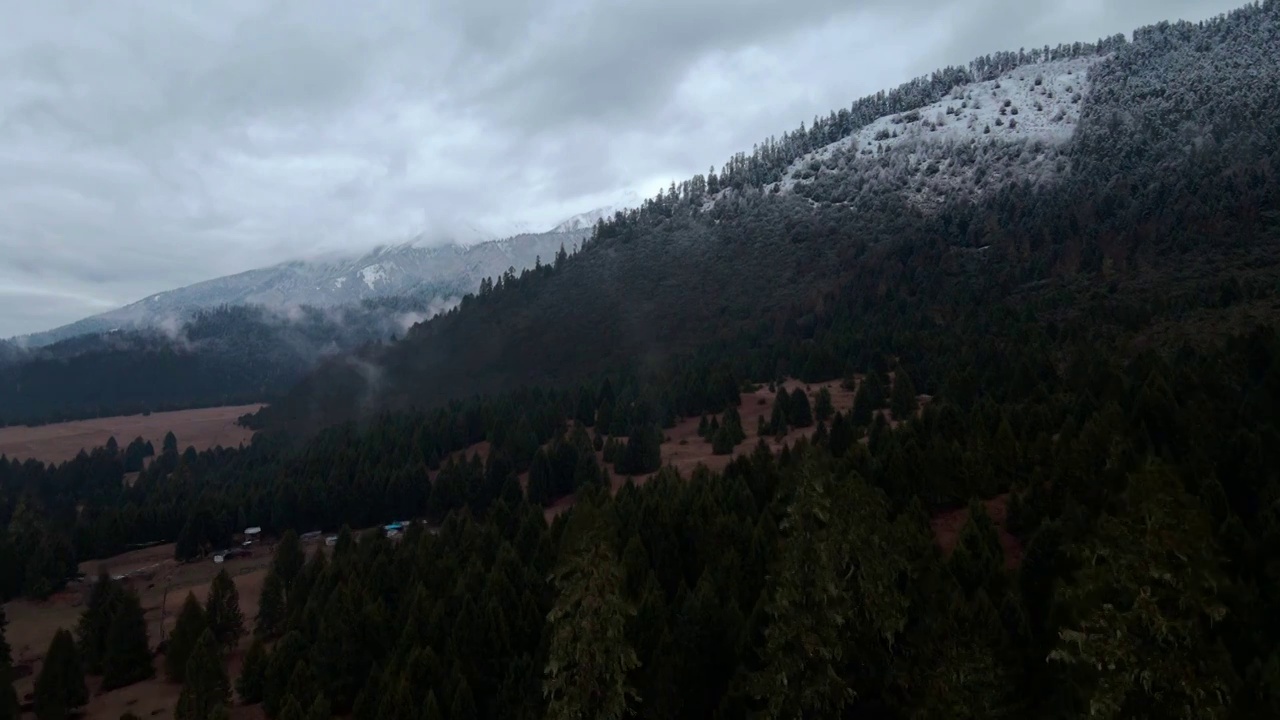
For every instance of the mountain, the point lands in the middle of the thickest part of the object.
(1033, 174)
(443, 272)
(588, 220)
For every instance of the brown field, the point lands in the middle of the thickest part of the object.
(162, 584)
(203, 429)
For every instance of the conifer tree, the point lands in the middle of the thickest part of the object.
(206, 691)
(822, 407)
(292, 710)
(289, 558)
(253, 675)
(222, 611)
(8, 696)
(799, 413)
(95, 622)
(60, 689)
(1149, 589)
(319, 709)
(128, 658)
(190, 626)
(431, 709)
(463, 706)
(287, 655)
(903, 402)
(589, 658)
(269, 624)
(540, 480)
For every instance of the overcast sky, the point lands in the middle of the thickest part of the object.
(148, 145)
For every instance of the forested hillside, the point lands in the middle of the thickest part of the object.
(1103, 370)
(226, 356)
(1158, 200)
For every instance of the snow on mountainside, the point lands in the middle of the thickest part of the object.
(447, 271)
(980, 135)
(588, 220)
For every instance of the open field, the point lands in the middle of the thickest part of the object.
(162, 584)
(203, 429)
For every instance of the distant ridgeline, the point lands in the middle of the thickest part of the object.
(225, 356)
(1082, 520)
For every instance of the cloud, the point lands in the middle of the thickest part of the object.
(145, 146)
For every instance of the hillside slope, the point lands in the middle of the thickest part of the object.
(442, 272)
(1160, 183)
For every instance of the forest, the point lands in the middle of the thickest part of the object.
(1101, 360)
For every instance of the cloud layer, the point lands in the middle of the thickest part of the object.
(145, 146)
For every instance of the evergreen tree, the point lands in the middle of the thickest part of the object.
(60, 689)
(128, 658)
(222, 611)
(431, 709)
(287, 655)
(95, 622)
(540, 480)
(589, 658)
(269, 624)
(190, 625)
(1149, 589)
(289, 558)
(319, 709)
(8, 696)
(253, 675)
(822, 407)
(463, 706)
(799, 414)
(206, 691)
(903, 402)
(292, 710)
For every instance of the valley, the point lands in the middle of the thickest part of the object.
(202, 429)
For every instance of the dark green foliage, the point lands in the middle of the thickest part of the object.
(60, 689)
(222, 611)
(799, 414)
(643, 451)
(903, 401)
(253, 674)
(319, 709)
(822, 407)
(292, 710)
(286, 656)
(128, 655)
(95, 622)
(269, 623)
(8, 696)
(188, 629)
(206, 692)
(289, 558)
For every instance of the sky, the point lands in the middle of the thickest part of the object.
(145, 146)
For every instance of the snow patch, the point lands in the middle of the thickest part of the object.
(339, 283)
(373, 274)
(1036, 102)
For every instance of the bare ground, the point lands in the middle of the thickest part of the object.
(948, 525)
(203, 429)
(162, 584)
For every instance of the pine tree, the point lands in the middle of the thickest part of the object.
(903, 403)
(270, 621)
(206, 691)
(128, 658)
(292, 710)
(463, 706)
(287, 655)
(289, 558)
(222, 611)
(822, 407)
(8, 696)
(319, 709)
(431, 709)
(589, 658)
(540, 480)
(253, 675)
(799, 414)
(60, 688)
(190, 626)
(95, 622)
